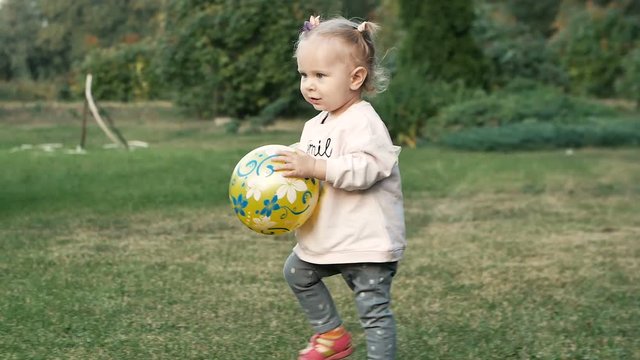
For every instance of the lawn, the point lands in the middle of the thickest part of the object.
(137, 254)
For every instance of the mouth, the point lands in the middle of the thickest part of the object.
(314, 100)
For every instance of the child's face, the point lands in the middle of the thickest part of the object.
(326, 75)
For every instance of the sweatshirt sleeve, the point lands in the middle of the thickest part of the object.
(367, 160)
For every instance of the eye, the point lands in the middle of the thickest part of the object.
(303, 75)
(320, 75)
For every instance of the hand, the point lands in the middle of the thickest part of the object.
(299, 164)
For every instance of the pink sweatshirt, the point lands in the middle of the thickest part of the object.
(359, 216)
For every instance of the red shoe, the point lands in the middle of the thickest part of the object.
(323, 348)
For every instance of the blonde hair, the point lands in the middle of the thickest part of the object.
(359, 37)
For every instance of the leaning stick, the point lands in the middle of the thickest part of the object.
(113, 128)
(95, 113)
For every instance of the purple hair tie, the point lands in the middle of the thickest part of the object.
(307, 26)
(311, 24)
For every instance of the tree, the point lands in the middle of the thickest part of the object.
(514, 49)
(538, 15)
(362, 9)
(19, 26)
(71, 28)
(591, 43)
(232, 58)
(44, 39)
(439, 42)
(438, 59)
(628, 84)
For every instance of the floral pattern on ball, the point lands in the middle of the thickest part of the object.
(267, 202)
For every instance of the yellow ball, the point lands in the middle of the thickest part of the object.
(264, 200)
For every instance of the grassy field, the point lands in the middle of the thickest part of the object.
(137, 255)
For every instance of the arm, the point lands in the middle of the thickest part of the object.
(362, 169)
(367, 163)
(355, 171)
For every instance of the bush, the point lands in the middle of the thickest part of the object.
(536, 135)
(438, 58)
(537, 15)
(521, 101)
(438, 42)
(410, 102)
(123, 73)
(231, 59)
(26, 90)
(628, 84)
(592, 45)
(515, 51)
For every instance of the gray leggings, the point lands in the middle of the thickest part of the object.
(371, 285)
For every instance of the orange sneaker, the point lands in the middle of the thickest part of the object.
(333, 345)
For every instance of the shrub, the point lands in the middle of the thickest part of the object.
(628, 84)
(521, 101)
(515, 51)
(124, 73)
(591, 46)
(537, 15)
(537, 135)
(438, 42)
(438, 58)
(27, 90)
(224, 58)
(410, 102)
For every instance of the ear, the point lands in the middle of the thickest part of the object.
(358, 76)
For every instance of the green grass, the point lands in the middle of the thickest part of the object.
(136, 255)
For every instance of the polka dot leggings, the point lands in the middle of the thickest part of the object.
(371, 285)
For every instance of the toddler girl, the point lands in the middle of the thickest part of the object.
(357, 229)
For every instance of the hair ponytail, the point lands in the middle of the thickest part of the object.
(367, 27)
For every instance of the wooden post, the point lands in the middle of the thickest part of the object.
(83, 135)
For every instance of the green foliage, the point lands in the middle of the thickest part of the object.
(391, 34)
(591, 47)
(270, 112)
(228, 58)
(513, 50)
(19, 26)
(520, 102)
(46, 39)
(26, 90)
(438, 43)
(438, 59)
(361, 9)
(208, 46)
(123, 73)
(537, 15)
(628, 84)
(409, 104)
(539, 135)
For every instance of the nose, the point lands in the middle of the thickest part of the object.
(307, 84)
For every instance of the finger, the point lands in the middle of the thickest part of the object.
(284, 167)
(279, 165)
(282, 159)
(284, 153)
(289, 174)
